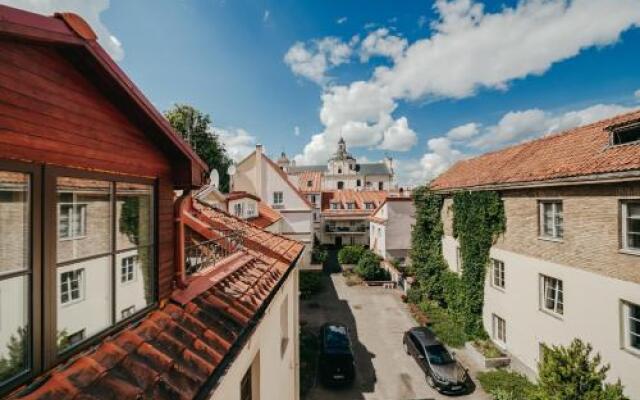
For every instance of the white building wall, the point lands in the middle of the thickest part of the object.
(401, 217)
(278, 372)
(377, 238)
(592, 312)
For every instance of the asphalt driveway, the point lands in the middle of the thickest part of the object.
(377, 319)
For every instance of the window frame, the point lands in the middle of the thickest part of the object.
(71, 219)
(79, 275)
(499, 328)
(626, 332)
(278, 198)
(127, 272)
(624, 227)
(557, 229)
(50, 354)
(543, 296)
(501, 284)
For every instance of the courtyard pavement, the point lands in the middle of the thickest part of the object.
(377, 318)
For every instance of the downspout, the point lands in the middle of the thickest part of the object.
(182, 204)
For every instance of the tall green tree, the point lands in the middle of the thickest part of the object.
(571, 373)
(196, 128)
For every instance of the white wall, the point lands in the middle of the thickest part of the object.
(278, 372)
(401, 217)
(377, 238)
(592, 312)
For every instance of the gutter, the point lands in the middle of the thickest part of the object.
(594, 179)
(207, 390)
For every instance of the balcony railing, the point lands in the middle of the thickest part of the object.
(345, 229)
(205, 254)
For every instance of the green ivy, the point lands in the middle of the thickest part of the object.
(478, 220)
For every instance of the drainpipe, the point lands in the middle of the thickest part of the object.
(182, 205)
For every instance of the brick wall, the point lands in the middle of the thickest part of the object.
(591, 228)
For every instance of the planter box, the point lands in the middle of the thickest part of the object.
(483, 361)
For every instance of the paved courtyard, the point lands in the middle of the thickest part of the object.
(377, 319)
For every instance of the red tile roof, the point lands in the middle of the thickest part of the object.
(183, 347)
(267, 216)
(360, 198)
(314, 177)
(241, 195)
(578, 152)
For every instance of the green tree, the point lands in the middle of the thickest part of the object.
(16, 361)
(195, 127)
(571, 373)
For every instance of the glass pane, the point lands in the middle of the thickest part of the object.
(83, 300)
(14, 317)
(134, 288)
(634, 209)
(634, 225)
(134, 207)
(14, 221)
(84, 218)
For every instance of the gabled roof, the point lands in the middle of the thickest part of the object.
(574, 155)
(182, 349)
(310, 176)
(70, 33)
(267, 216)
(286, 179)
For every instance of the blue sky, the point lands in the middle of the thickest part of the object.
(427, 82)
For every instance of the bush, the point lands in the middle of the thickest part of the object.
(448, 327)
(310, 283)
(568, 373)
(318, 255)
(488, 349)
(507, 385)
(369, 269)
(350, 254)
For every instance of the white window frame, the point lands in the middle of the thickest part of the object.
(76, 275)
(628, 332)
(238, 209)
(351, 206)
(625, 226)
(497, 274)
(499, 330)
(128, 271)
(278, 198)
(251, 209)
(557, 295)
(71, 215)
(128, 312)
(557, 214)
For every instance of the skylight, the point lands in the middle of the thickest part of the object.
(625, 134)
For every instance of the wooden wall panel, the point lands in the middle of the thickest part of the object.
(50, 113)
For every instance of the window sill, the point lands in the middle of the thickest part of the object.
(551, 239)
(629, 252)
(498, 288)
(550, 313)
(66, 239)
(632, 351)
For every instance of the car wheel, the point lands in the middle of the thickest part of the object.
(430, 381)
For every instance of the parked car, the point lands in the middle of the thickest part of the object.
(336, 362)
(442, 371)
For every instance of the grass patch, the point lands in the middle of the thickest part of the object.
(309, 348)
(351, 278)
(447, 327)
(503, 384)
(488, 348)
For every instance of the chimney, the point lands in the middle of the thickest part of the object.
(258, 180)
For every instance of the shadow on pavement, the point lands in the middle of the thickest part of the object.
(328, 307)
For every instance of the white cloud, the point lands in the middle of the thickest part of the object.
(341, 20)
(464, 132)
(381, 43)
(238, 142)
(296, 130)
(399, 137)
(89, 10)
(314, 59)
(266, 15)
(469, 49)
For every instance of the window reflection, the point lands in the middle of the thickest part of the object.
(15, 230)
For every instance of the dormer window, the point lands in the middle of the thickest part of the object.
(335, 206)
(625, 134)
(369, 206)
(351, 206)
(309, 183)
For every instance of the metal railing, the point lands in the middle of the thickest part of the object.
(201, 255)
(345, 229)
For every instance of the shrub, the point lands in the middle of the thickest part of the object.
(507, 385)
(318, 255)
(310, 283)
(414, 295)
(369, 269)
(350, 254)
(571, 373)
(488, 349)
(449, 328)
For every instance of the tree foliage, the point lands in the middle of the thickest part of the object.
(369, 269)
(16, 359)
(195, 127)
(350, 254)
(571, 373)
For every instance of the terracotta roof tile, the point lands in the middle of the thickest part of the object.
(577, 152)
(310, 181)
(359, 198)
(173, 351)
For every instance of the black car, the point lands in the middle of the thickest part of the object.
(336, 363)
(443, 372)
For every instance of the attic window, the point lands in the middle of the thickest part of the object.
(309, 183)
(351, 205)
(627, 134)
(370, 206)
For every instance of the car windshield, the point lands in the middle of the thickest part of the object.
(336, 339)
(438, 355)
